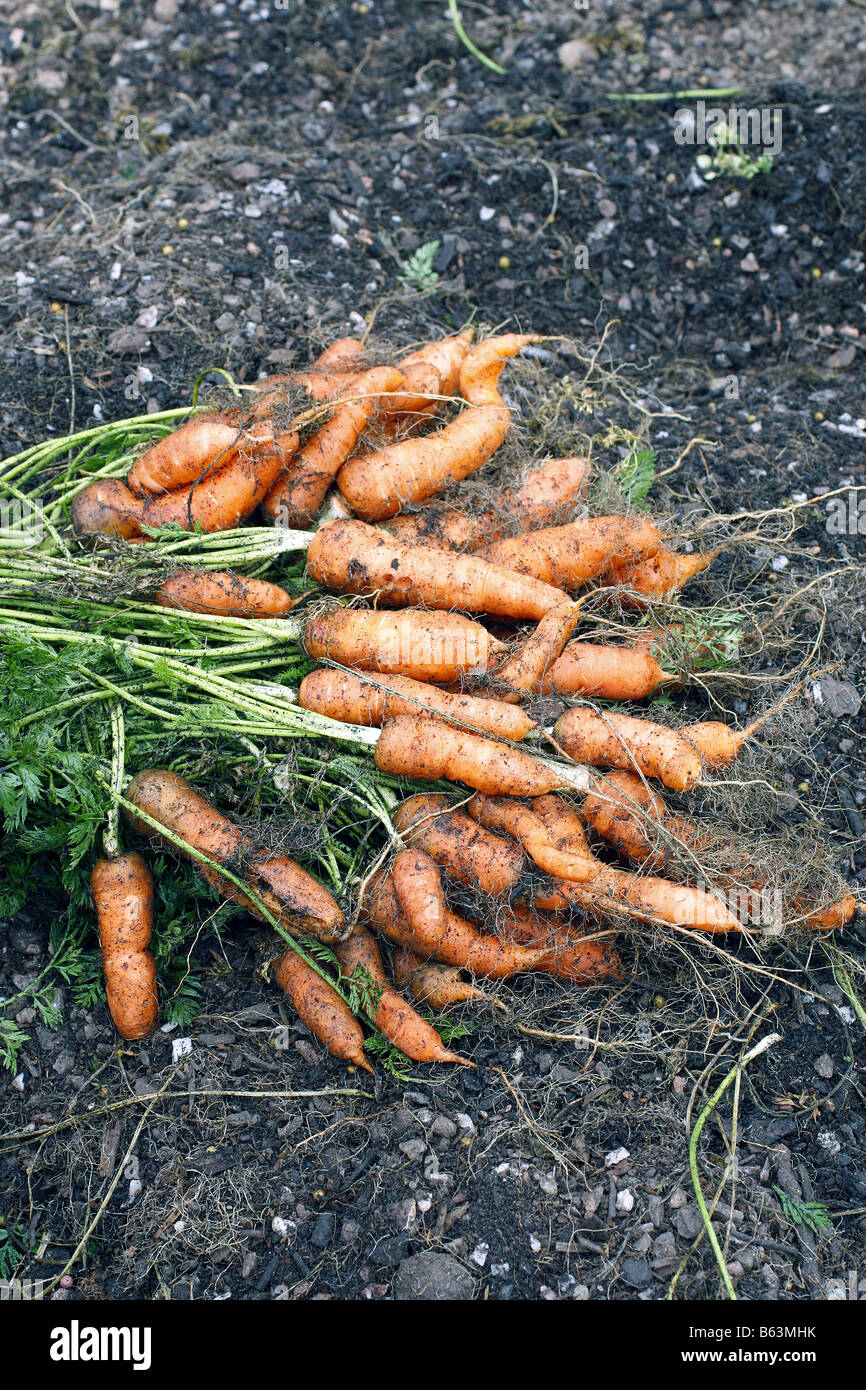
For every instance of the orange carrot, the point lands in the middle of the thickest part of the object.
(437, 986)
(393, 1016)
(643, 897)
(548, 491)
(446, 356)
(225, 498)
(657, 575)
(354, 700)
(358, 559)
(467, 852)
(610, 673)
(482, 366)
(199, 591)
(569, 556)
(619, 740)
(529, 830)
(569, 955)
(380, 484)
(292, 896)
(412, 642)
(343, 354)
(297, 496)
(524, 672)
(201, 445)
(320, 1007)
(408, 907)
(427, 749)
(107, 508)
(122, 891)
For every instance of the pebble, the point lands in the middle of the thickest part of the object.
(615, 1156)
(576, 53)
(824, 1066)
(432, 1276)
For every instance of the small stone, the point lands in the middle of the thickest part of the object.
(251, 1259)
(443, 1128)
(688, 1221)
(413, 1148)
(480, 1253)
(607, 207)
(677, 1199)
(664, 1249)
(615, 1156)
(127, 341)
(434, 1277)
(824, 1066)
(50, 80)
(165, 10)
(637, 1273)
(576, 53)
(535, 1244)
(749, 264)
(246, 172)
(350, 1232)
(625, 1200)
(840, 697)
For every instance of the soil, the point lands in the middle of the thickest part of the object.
(228, 186)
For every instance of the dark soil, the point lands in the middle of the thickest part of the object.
(229, 185)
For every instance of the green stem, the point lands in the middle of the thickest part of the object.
(467, 42)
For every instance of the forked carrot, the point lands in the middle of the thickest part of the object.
(525, 671)
(467, 852)
(530, 831)
(482, 366)
(437, 986)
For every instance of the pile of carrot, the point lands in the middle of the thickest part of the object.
(462, 621)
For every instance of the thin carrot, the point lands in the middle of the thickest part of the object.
(609, 673)
(320, 1007)
(393, 1016)
(619, 740)
(530, 831)
(427, 749)
(524, 672)
(122, 890)
(297, 495)
(467, 852)
(358, 559)
(225, 498)
(412, 642)
(408, 907)
(198, 591)
(293, 897)
(437, 986)
(571, 555)
(482, 366)
(355, 700)
(644, 897)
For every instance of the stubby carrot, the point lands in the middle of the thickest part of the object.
(408, 907)
(201, 445)
(392, 1015)
(122, 891)
(658, 575)
(297, 496)
(467, 852)
(320, 1007)
(293, 897)
(427, 749)
(571, 555)
(425, 646)
(220, 591)
(610, 673)
(619, 740)
(437, 986)
(358, 559)
(355, 700)
(107, 508)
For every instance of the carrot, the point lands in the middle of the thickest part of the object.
(657, 575)
(358, 559)
(227, 497)
(427, 749)
(446, 356)
(122, 891)
(408, 907)
(569, 556)
(293, 897)
(544, 495)
(380, 484)
(107, 508)
(530, 831)
(203, 444)
(298, 494)
(466, 851)
(563, 825)
(569, 955)
(641, 896)
(437, 986)
(482, 366)
(619, 740)
(394, 1017)
(524, 672)
(343, 354)
(345, 696)
(237, 595)
(320, 1007)
(640, 827)
(610, 673)
(424, 646)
